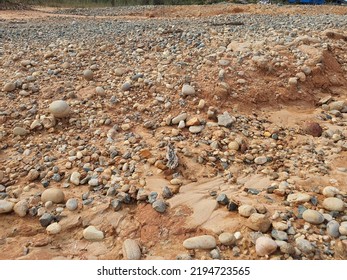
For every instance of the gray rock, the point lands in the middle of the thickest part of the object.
(166, 192)
(93, 182)
(116, 204)
(71, 204)
(152, 197)
(21, 208)
(313, 217)
(33, 175)
(246, 210)
(227, 238)
(185, 257)
(333, 204)
(304, 245)
(6, 206)
(287, 248)
(279, 235)
(215, 254)
(196, 129)
(258, 222)
(260, 160)
(180, 117)
(75, 178)
(131, 250)
(187, 90)
(225, 119)
(59, 109)
(222, 199)
(53, 194)
(126, 86)
(46, 219)
(88, 74)
(265, 246)
(200, 242)
(333, 229)
(20, 131)
(92, 234)
(141, 194)
(159, 206)
(100, 91)
(337, 105)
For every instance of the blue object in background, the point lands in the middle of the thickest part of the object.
(315, 2)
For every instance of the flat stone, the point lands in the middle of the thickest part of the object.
(225, 119)
(54, 195)
(260, 160)
(298, 197)
(131, 250)
(53, 228)
(258, 222)
(227, 238)
(75, 178)
(200, 242)
(180, 117)
(187, 90)
(21, 208)
(20, 131)
(71, 204)
(59, 109)
(246, 210)
(196, 129)
(313, 217)
(9, 87)
(265, 246)
(6, 206)
(92, 234)
(333, 204)
(333, 229)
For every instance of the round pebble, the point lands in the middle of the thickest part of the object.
(313, 217)
(71, 204)
(54, 195)
(59, 109)
(227, 238)
(92, 234)
(88, 74)
(246, 210)
(6, 206)
(265, 246)
(333, 204)
(53, 228)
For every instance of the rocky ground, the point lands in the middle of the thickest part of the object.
(204, 132)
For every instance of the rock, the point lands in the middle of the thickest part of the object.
(6, 206)
(187, 90)
(200, 242)
(279, 235)
(333, 229)
(46, 219)
(227, 238)
(298, 198)
(20, 131)
(71, 204)
(215, 254)
(265, 246)
(225, 119)
(159, 206)
(131, 250)
(196, 129)
(53, 228)
(59, 109)
(330, 191)
(21, 208)
(9, 87)
(185, 257)
(313, 128)
(179, 118)
(313, 217)
(75, 178)
(246, 210)
(193, 122)
(258, 222)
(343, 228)
(54, 195)
(166, 192)
(116, 204)
(234, 146)
(222, 199)
(33, 175)
(287, 248)
(92, 234)
(304, 245)
(88, 74)
(337, 105)
(100, 91)
(260, 160)
(126, 86)
(279, 226)
(333, 204)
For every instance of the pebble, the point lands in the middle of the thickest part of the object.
(279, 225)
(313, 217)
(313, 128)
(88, 74)
(222, 199)
(246, 210)
(279, 235)
(159, 206)
(33, 175)
(54, 195)
(100, 91)
(187, 90)
(53, 228)
(287, 248)
(337, 105)
(330, 191)
(298, 197)
(343, 228)
(333, 204)
(6, 206)
(166, 192)
(225, 119)
(265, 246)
(91, 233)
(46, 219)
(227, 238)
(9, 87)
(234, 146)
(126, 86)
(200, 242)
(131, 250)
(304, 245)
(333, 229)
(116, 204)
(20, 131)
(260, 160)
(21, 208)
(196, 129)
(71, 204)
(75, 178)
(215, 254)
(59, 109)
(180, 117)
(258, 222)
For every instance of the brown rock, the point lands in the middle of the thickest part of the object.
(313, 128)
(258, 222)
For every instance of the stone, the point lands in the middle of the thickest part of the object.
(21, 208)
(88, 74)
(46, 219)
(279, 226)
(234, 146)
(330, 191)
(166, 192)
(193, 122)
(313, 217)
(20, 131)
(187, 90)
(222, 199)
(33, 175)
(287, 248)
(75, 178)
(246, 210)
(91, 233)
(337, 105)
(100, 91)
(116, 204)
(333, 229)
(126, 86)
(258, 222)
(53, 194)
(279, 235)
(304, 245)
(260, 160)
(196, 129)
(298, 197)
(180, 117)
(53, 228)
(312, 128)
(200, 242)
(131, 250)
(59, 109)
(333, 204)
(227, 238)
(71, 204)
(159, 206)
(265, 246)
(215, 254)
(343, 228)
(9, 87)
(6, 206)
(225, 119)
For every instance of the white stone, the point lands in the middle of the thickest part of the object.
(196, 129)
(298, 197)
(71, 204)
(234, 146)
(180, 117)
(92, 234)
(246, 210)
(21, 208)
(330, 191)
(75, 178)
(188, 90)
(333, 204)
(6, 206)
(260, 160)
(54, 228)
(227, 238)
(88, 74)
(53, 194)
(59, 109)
(100, 91)
(313, 217)
(265, 246)
(343, 228)
(200, 242)
(131, 250)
